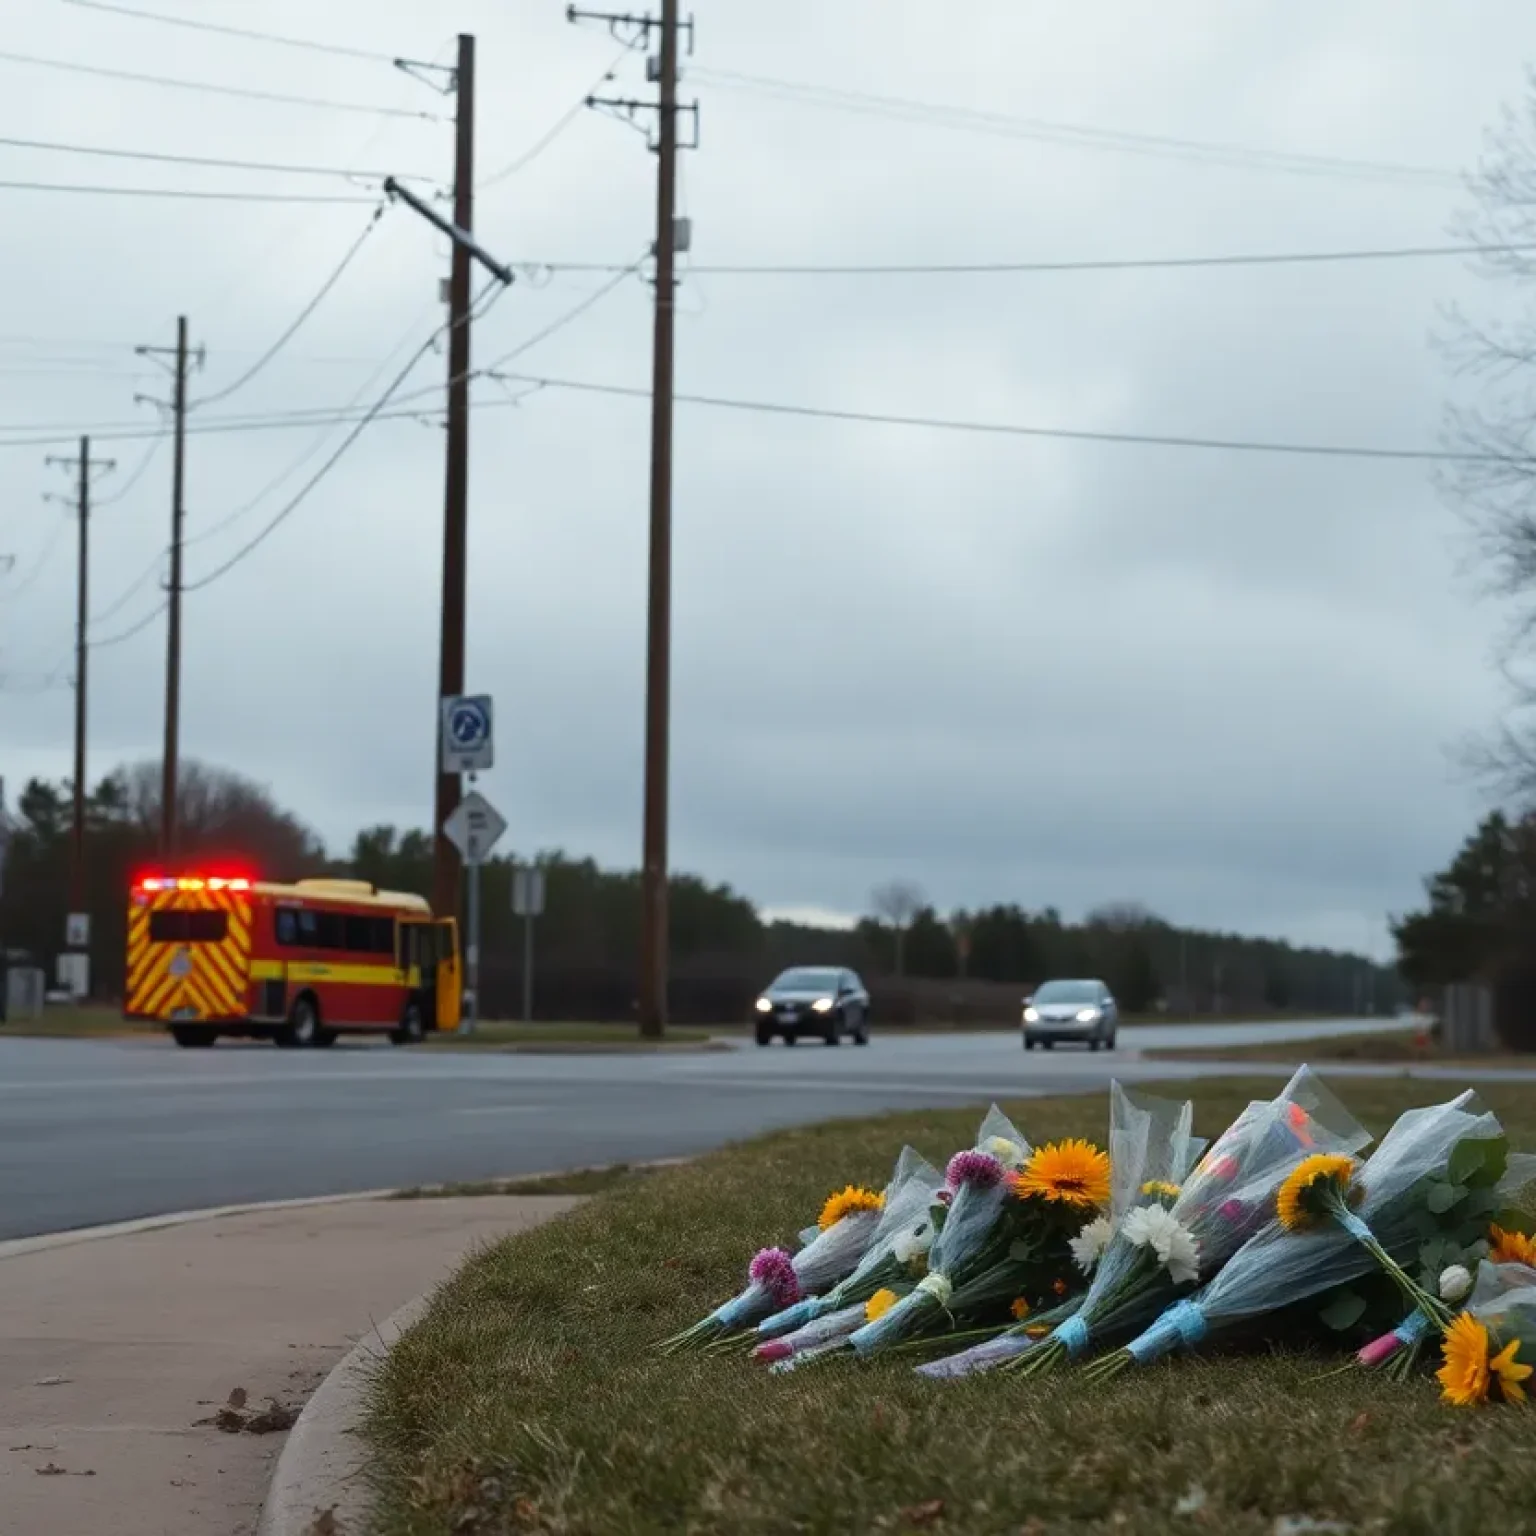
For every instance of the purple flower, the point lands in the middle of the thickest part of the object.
(978, 1168)
(774, 1270)
(1232, 1211)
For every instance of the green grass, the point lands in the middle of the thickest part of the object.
(530, 1399)
(88, 1023)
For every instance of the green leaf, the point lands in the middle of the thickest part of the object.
(1443, 1196)
(1432, 1256)
(1512, 1219)
(1343, 1311)
(1479, 1160)
(1022, 1250)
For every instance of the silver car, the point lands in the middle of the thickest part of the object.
(1084, 1011)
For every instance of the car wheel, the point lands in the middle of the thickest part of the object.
(791, 1038)
(861, 1030)
(764, 1035)
(1029, 1044)
(302, 1027)
(1095, 1044)
(193, 1036)
(1049, 1044)
(411, 1030)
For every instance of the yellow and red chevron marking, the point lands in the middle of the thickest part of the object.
(215, 980)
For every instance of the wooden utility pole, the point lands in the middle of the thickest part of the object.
(446, 882)
(84, 469)
(663, 70)
(654, 926)
(170, 754)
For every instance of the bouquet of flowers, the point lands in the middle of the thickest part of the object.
(829, 1330)
(897, 1253)
(776, 1279)
(1305, 1249)
(995, 1218)
(1488, 1349)
(1183, 1233)
(1150, 1150)
(1464, 1224)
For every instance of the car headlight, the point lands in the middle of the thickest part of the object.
(764, 1006)
(822, 1004)
(1031, 1015)
(1087, 1015)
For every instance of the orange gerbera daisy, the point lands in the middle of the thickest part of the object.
(1072, 1172)
(1464, 1376)
(845, 1202)
(1019, 1308)
(1310, 1186)
(878, 1305)
(1511, 1247)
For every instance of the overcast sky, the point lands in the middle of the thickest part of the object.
(1045, 671)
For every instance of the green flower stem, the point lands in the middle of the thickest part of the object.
(1434, 1310)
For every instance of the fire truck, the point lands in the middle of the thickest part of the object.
(299, 964)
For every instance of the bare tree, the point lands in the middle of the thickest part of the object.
(1123, 917)
(1491, 423)
(897, 902)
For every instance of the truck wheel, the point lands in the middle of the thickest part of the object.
(193, 1036)
(411, 1030)
(302, 1028)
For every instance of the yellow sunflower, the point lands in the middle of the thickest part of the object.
(1464, 1376)
(1072, 1172)
(1304, 1195)
(1020, 1309)
(879, 1304)
(1510, 1247)
(1162, 1189)
(845, 1202)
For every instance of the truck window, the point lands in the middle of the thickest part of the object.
(169, 926)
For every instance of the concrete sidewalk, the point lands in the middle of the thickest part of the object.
(116, 1355)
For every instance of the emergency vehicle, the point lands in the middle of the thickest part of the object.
(298, 964)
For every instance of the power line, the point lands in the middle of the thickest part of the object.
(138, 472)
(275, 98)
(129, 633)
(561, 321)
(1008, 429)
(1076, 134)
(303, 315)
(493, 290)
(121, 600)
(1106, 264)
(340, 49)
(179, 192)
(539, 145)
(211, 161)
(29, 579)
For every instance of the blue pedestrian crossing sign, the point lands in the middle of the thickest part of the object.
(466, 734)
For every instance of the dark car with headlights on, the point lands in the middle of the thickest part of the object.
(819, 1001)
(1083, 1011)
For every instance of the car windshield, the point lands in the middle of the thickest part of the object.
(803, 979)
(1068, 992)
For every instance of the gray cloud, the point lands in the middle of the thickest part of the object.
(1014, 669)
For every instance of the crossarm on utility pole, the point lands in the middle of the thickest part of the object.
(460, 237)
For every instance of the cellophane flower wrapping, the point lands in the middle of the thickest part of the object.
(1489, 1350)
(897, 1249)
(978, 1186)
(827, 1328)
(1277, 1268)
(1150, 1139)
(1226, 1198)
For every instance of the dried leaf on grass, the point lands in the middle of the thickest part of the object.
(926, 1513)
(52, 1381)
(236, 1397)
(325, 1523)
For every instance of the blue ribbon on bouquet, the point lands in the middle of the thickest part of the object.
(1183, 1323)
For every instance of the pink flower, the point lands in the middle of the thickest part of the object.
(978, 1168)
(944, 1196)
(1379, 1349)
(1232, 1211)
(774, 1349)
(774, 1270)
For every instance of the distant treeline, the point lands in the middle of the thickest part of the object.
(967, 966)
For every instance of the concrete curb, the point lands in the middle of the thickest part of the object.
(320, 1465)
(16, 1247)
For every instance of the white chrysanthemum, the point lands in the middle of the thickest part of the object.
(1150, 1226)
(1089, 1244)
(1009, 1153)
(913, 1244)
(1455, 1282)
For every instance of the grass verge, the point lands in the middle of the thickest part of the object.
(529, 1398)
(77, 1024)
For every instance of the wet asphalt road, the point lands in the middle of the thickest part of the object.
(106, 1131)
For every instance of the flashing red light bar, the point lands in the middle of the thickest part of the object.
(193, 883)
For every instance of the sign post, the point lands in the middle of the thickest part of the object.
(474, 829)
(528, 903)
